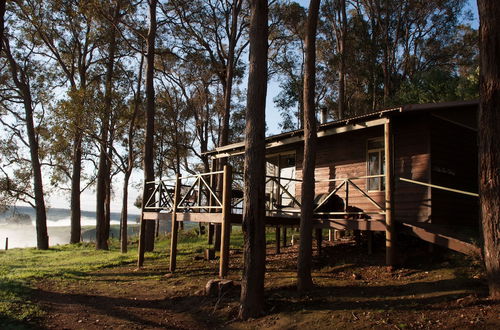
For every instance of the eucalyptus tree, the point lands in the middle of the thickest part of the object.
(489, 141)
(2, 13)
(216, 29)
(111, 14)
(304, 261)
(128, 134)
(335, 12)
(286, 55)
(254, 252)
(287, 60)
(67, 32)
(25, 96)
(412, 36)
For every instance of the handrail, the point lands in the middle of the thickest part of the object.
(164, 200)
(283, 178)
(284, 189)
(200, 174)
(440, 187)
(161, 180)
(354, 178)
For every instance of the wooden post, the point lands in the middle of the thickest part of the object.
(319, 239)
(226, 221)
(142, 233)
(211, 229)
(175, 225)
(278, 239)
(346, 197)
(284, 237)
(6, 243)
(389, 207)
(370, 242)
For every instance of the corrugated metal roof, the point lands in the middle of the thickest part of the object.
(355, 119)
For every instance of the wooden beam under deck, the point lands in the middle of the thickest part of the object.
(433, 234)
(185, 216)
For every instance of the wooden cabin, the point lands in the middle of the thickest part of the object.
(411, 168)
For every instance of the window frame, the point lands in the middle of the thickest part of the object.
(381, 159)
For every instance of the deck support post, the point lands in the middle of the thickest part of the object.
(390, 246)
(142, 230)
(319, 239)
(226, 221)
(211, 229)
(175, 225)
(370, 242)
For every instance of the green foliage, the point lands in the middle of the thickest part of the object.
(437, 86)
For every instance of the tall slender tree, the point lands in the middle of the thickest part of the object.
(147, 234)
(2, 13)
(20, 72)
(128, 162)
(104, 167)
(254, 253)
(66, 29)
(304, 262)
(489, 139)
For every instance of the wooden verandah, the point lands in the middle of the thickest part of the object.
(198, 201)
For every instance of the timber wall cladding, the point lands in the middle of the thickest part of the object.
(412, 161)
(344, 156)
(454, 165)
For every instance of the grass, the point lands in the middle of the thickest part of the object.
(20, 268)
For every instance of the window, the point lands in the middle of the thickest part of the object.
(375, 164)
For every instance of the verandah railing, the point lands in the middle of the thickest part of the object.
(198, 194)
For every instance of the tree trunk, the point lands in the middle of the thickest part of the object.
(2, 13)
(149, 235)
(124, 215)
(22, 84)
(489, 140)
(228, 88)
(103, 185)
(341, 49)
(42, 240)
(76, 227)
(252, 285)
(304, 280)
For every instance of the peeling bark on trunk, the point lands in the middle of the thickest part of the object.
(254, 253)
(304, 279)
(489, 140)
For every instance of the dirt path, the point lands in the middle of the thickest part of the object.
(353, 291)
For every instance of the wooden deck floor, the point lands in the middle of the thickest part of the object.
(427, 232)
(275, 220)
